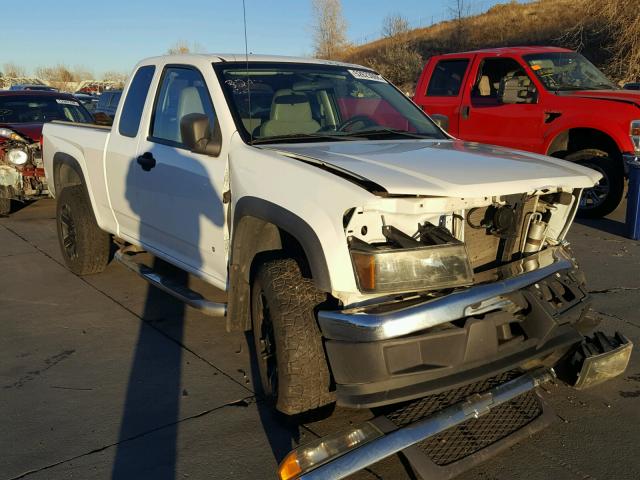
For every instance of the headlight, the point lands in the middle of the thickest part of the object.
(635, 134)
(413, 269)
(11, 135)
(17, 156)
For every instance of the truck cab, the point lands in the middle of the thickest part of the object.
(545, 100)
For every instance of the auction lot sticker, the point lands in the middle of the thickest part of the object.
(62, 101)
(367, 75)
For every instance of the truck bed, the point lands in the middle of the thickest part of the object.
(84, 145)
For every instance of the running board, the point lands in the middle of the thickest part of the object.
(175, 289)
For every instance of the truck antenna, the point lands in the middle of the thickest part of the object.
(246, 57)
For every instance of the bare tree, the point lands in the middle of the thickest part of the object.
(13, 70)
(618, 22)
(459, 12)
(329, 29)
(395, 25)
(182, 47)
(114, 76)
(56, 73)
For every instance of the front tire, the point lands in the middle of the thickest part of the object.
(5, 206)
(288, 344)
(606, 195)
(85, 248)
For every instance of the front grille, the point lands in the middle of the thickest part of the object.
(466, 439)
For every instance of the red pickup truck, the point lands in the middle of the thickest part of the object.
(545, 100)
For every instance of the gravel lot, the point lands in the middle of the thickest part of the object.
(102, 377)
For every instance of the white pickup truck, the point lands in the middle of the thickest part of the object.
(379, 262)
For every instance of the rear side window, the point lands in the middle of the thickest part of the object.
(446, 79)
(134, 102)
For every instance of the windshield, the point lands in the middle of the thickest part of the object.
(41, 109)
(567, 71)
(305, 102)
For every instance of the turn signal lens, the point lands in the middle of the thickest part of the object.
(323, 450)
(289, 468)
(10, 135)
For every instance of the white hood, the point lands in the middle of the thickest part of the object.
(445, 167)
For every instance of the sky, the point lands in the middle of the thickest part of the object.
(116, 34)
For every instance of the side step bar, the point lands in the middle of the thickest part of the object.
(175, 289)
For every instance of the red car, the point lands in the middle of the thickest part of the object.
(22, 115)
(545, 100)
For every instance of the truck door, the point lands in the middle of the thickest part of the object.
(500, 106)
(439, 91)
(178, 194)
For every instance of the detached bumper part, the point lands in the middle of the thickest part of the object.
(375, 446)
(596, 360)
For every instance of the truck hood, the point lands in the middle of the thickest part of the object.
(32, 131)
(627, 96)
(442, 167)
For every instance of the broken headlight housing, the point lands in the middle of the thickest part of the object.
(17, 157)
(393, 270)
(11, 135)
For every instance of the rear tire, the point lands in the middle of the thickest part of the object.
(288, 344)
(604, 197)
(85, 248)
(5, 206)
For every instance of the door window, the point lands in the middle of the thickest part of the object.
(134, 103)
(447, 77)
(502, 80)
(183, 91)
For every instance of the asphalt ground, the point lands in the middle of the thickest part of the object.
(103, 377)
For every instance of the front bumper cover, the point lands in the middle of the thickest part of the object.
(531, 316)
(368, 324)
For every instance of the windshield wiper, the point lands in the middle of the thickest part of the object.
(390, 131)
(301, 136)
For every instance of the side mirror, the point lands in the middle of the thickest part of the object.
(441, 120)
(197, 135)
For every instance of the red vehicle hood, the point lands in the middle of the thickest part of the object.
(32, 131)
(628, 96)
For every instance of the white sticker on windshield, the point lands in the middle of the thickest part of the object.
(367, 75)
(67, 102)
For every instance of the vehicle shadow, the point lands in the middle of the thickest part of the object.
(154, 392)
(282, 432)
(152, 402)
(608, 225)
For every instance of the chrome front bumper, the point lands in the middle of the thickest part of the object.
(363, 325)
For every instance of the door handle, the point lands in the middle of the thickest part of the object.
(146, 161)
(465, 111)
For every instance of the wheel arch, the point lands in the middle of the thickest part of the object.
(581, 138)
(261, 226)
(66, 172)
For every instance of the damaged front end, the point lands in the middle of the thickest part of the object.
(488, 303)
(22, 175)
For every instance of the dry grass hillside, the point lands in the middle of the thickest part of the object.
(592, 26)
